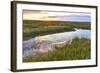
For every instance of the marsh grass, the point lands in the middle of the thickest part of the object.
(33, 32)
(78, 49)
(33, 28)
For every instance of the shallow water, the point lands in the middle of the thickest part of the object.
(47, 42)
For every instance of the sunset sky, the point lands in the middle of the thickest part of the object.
(56, 16)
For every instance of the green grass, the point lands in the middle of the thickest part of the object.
(79, 49)
(36, 24)
(32, 28)
(32, 32)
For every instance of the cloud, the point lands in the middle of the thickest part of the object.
(56, 16)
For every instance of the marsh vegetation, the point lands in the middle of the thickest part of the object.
(78, 49)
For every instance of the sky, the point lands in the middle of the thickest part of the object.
(56, 16)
